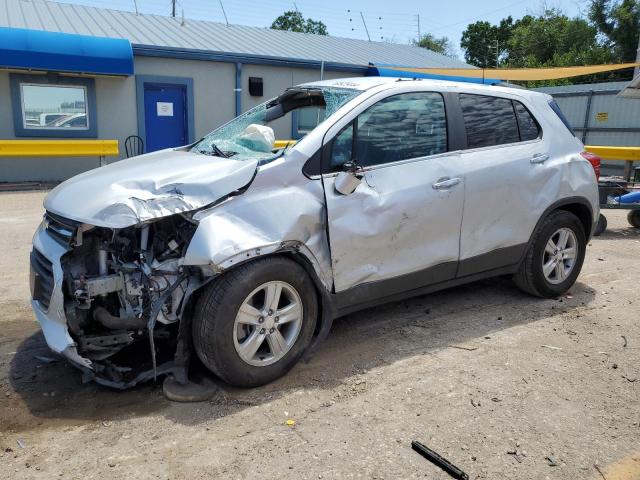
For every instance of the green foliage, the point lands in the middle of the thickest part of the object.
(440, 45)
(551, 39)
(619, 24)
(485, 44)
(293, 21)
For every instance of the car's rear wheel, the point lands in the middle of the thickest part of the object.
(254, 323)
(555, 256)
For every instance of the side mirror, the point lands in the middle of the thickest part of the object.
(348, 180)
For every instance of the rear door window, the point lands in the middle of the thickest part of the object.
(488, 120)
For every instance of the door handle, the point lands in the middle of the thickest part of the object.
(446, 183)
(539, 157)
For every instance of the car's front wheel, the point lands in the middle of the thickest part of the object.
(555, 256)
(254, 323)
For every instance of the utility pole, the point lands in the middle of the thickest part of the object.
(365, 26)
(636, 71)
(173, 8)
(497, 52)
(419, 34)
(135, 5)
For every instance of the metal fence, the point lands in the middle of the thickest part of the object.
(600, 117)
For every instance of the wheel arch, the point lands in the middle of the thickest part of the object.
(579, 206)
(325, 307)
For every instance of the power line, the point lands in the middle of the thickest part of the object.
(224, 13)
(365, 26)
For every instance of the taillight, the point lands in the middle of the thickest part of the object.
(594, 160)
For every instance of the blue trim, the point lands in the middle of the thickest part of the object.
(238, 88)
(64, 52)
(380, 71)
(195, 54)
(16, 79)
(159, 79)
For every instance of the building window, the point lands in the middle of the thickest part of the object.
(52, 106)
(306, 119)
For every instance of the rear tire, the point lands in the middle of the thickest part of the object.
(554, 257)
(633, 217)
(601, 226)
(223, 334)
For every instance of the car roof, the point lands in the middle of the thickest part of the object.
(367, 83)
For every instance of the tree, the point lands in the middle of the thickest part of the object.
(485, 44)
(440, 45)
(552, 39)
(293, 21)
(620, 24)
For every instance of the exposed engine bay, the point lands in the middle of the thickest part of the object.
(125, 286)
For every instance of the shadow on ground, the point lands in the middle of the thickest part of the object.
(375, 337)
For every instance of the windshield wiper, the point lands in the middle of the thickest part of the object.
(214, 151)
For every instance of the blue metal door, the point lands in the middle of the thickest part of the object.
(165, 116)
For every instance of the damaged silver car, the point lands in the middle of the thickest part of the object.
(244, 250)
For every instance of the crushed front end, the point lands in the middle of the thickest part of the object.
(111, 300)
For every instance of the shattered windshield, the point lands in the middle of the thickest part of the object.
(252, 135)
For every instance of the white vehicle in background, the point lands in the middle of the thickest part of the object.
(250, 251)
(47, 119)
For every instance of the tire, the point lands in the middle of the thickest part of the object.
(633, 217)
(531, 278)
(219, 338)
(601, 226)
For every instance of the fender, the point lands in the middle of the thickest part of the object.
(587, 220)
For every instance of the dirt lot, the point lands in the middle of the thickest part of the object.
(502, 384)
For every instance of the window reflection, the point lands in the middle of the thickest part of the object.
(488, 120)
(54, 107)
(401, 127)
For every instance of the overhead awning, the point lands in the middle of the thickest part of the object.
(64, 52)
(489, 75)
(438, 74)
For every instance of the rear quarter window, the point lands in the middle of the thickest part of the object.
(529, 129)
(556, 108)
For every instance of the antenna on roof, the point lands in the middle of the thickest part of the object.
(135, 6)
(365, 26)
(226, 20)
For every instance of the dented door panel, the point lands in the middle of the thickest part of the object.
(395, 222)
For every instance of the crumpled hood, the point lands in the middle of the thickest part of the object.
(150, 186)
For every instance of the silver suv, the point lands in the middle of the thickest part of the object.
(248, 248)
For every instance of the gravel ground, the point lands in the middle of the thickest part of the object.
(501, 384)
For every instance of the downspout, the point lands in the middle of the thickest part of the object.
(238, 88)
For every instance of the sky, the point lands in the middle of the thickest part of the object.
(386, 20)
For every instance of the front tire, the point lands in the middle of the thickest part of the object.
(253, 324)
(555, 256)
